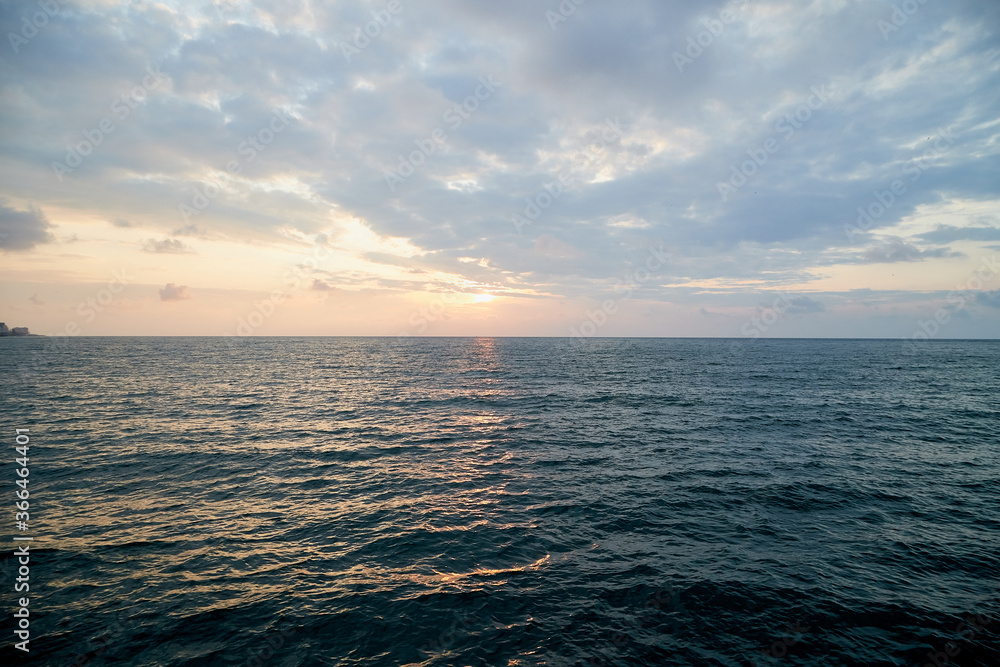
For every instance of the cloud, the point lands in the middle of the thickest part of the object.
(803, 305)
(321, 285)
(538, 146)
(172, 292)
(22, 230)
(35, 300)
(191, 230)
(897, 250)
(950, 234)
(991, 299)
(549, 246)
(166, 246)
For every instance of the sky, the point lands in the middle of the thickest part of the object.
(752, 168)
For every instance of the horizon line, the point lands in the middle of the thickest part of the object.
(743, 338)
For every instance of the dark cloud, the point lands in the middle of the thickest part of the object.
(991, 299)
(321, 285)
(166, 246)
(192, 231)
(898, 250)
(950, 234)
(23, 229)
(121, 222)
(803, 305)
(172, 292)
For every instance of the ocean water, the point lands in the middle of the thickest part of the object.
(479, 501)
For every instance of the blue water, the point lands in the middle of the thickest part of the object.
(364, 501)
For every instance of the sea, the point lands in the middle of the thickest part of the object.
(502, 501)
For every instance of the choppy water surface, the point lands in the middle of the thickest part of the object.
(509, 501)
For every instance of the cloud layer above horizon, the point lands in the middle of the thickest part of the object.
(518, 168)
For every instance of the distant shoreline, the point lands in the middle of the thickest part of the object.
(470, 337)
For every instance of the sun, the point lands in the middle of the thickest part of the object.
(482, 298)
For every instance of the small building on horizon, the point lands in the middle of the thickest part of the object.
(16, 331)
